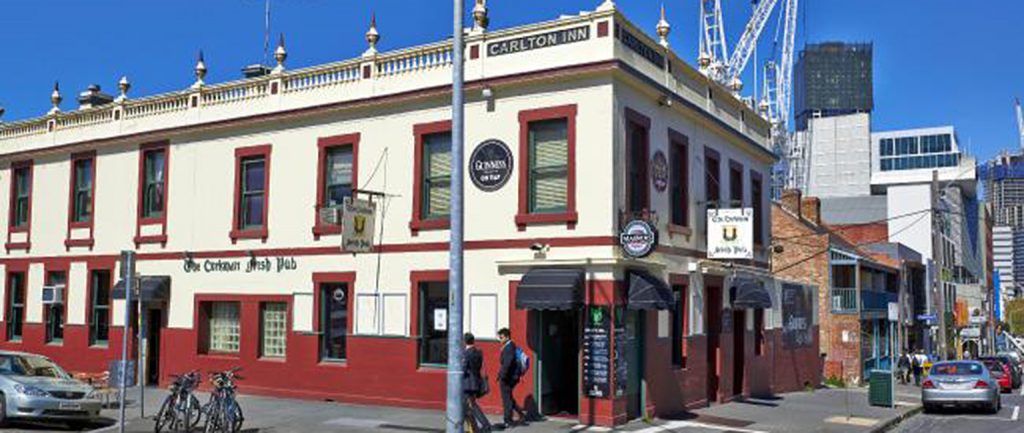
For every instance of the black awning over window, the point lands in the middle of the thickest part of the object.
(647, 292)
(749, 293)
(153, 288)
(550, 289)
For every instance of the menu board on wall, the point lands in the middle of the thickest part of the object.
(596, 352)
(622, 347)
(796, 316)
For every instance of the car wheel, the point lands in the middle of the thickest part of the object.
(928, 408)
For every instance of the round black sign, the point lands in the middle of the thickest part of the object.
(490, 165)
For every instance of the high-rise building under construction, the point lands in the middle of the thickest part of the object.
(832, 79)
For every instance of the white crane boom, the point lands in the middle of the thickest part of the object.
(1020, 124)
(784, 88)
(748, 41)
(713, 49)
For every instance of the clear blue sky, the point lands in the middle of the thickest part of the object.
(936, 61)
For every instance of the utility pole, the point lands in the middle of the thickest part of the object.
(128, 276)
(938, 252)
(455, 394)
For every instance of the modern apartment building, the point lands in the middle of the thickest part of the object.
(833, 79)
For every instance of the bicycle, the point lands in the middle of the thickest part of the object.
(177, 411)
(223, 413)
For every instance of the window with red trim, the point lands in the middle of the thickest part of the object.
(547, 176)
(757, 201)
(680, 325)
(252, 192)
(337, 174)
(432, 176)
(82, 185)
(712, 178)
(221, 326)
(680, 183)
(637, 190)
(735, 184)
(99, 307)
(15, 305)
(154, 160)
(54, 312)
(21, 196)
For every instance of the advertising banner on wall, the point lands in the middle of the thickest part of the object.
(797, 316)
(357, 223)
(731, 233)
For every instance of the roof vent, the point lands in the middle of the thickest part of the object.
(255, 70)
(93, 97)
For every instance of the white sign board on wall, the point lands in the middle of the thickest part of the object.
(731, 233)
(357, 225)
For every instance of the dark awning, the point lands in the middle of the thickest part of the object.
(749, 293)
(647, 292)
(550, 289)
(153, 288)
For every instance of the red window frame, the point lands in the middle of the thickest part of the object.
(15, 268)
(48, 268)
(418, 223)
(70, 242)
(679, 158)
(735, 183)
(683, 281)
(324, 144)
(261, 232)
(320, 278)
(29, 165)
(636, 120)
(100, 264)
(162, 219)
(757, 202)
(416, 279)
(523, 217)
(711, 155)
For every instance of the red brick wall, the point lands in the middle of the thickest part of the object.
(858, 234)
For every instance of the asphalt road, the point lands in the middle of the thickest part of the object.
(974, 421)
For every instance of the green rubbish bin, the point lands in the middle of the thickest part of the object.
(880, 388)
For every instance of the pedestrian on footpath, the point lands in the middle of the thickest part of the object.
(917, 363)
(508, 377)
(904, 368)
(475, 385)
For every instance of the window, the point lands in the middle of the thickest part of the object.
(759, 331)
(735, 184)
(679, 325)
(81, 189)
(333, 321)
(15, 305)
(99, 308)
(21, 196)
(337, 176)
(252, 185)
(636, 162)
(757, 201)
(154, 165)
(224, 327)
(549, 166)
(547, 176)
(433, 323)
(55, 311)
(712, 177)
(436, 176)
(273, 329)
(680, 172)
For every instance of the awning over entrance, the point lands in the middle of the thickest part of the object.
(749, 293)
(647, 292)
(153, 288)
(550, 289)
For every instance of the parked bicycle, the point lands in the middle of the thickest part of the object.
(223, 413)
(180, 411)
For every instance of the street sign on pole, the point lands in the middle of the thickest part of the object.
(128, 276)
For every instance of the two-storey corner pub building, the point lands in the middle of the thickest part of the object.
(577, 130)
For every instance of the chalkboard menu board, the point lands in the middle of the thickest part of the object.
(596, 352)
(796, 316)
(622, 347)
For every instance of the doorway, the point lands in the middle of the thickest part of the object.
(558, 362)
(154, 324)
(634, 363)
(713, 310)
(739, 334)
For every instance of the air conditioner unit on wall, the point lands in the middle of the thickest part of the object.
(330, 215)
(53, 294)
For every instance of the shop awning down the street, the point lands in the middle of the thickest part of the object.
(151, 288)
(747, 292)
(551, 289)
(647, 292)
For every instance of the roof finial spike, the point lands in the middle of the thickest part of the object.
(280, 55)
(55, 98)
(123, 85)
(200, 70)
(480, 19)
(607, 5)
(372, 37)
(663, 28)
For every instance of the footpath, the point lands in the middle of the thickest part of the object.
(823, 410)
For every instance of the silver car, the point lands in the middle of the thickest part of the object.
(960, 383)
(33, 387)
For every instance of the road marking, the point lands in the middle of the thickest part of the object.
(1022, 390)
(1016, 413)
(670, 426)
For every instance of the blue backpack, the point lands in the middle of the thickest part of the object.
(522, 362)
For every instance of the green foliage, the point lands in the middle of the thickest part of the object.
(1015, 316)
(835, 382)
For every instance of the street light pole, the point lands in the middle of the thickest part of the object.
(455, 278)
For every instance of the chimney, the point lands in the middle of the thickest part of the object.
(810, 208)
(791, 201)
(93, 97)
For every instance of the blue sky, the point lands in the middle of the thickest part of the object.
(936, 61)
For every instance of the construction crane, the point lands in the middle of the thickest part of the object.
(713, 49)
(1020, 123)
(747, 43)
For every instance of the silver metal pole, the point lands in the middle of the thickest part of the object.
(143, 341)
(127, 275)
(455, 393)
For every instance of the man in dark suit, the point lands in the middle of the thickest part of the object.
(474, 384)
(508, 377)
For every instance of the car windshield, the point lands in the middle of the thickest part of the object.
(957, 369)
(27, 365)
(993, 365)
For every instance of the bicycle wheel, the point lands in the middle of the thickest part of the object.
(197, 411)
(213, 419)
(165, 415)
(236, 417)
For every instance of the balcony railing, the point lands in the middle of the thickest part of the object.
(844, 300)
(876, 301)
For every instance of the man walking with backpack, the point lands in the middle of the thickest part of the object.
(509, 374)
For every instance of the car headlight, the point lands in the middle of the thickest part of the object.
(31, 390)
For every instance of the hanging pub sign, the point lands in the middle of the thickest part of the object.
(730, 233)
(490, 165)
(659, 171)
(638, 238)
(597, 354)
(357, 225)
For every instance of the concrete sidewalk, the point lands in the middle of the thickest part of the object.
(824, 410)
